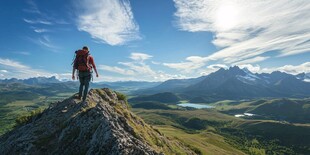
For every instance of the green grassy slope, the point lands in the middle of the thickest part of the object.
(212, 132)
(19, 99)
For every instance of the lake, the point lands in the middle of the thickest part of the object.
(244, 114)
(193, 105)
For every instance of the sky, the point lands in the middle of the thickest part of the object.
(153, 40)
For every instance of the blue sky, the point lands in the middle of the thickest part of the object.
(153, 40)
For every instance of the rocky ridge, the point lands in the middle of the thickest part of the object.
(103, 124)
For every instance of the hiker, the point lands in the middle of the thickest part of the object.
(83, 63)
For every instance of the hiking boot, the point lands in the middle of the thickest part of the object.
(78, 97)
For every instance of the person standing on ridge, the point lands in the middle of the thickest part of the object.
(83, 63)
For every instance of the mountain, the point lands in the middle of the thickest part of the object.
(32, 81)
(121, 86)
(303, 76)
(236, 83)
(102, 125)
(135, 84)
(172, 85)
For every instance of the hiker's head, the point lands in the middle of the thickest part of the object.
(85, 48)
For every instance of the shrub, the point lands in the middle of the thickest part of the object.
(121, 96)
(27, 118)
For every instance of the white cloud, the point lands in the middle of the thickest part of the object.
(291, 69)
(46, 42)
(40, 30)
(115, 69)
(33, 7)
(192, 63)
(305, 67)
(251, 60)
(253, 69)
(16, 69)
(38, 21)
(63, 76)
(155, 62)
(247, 29)
(140, 56)
(12, 63)
(138, 69)
(212, 68)
(110, 21)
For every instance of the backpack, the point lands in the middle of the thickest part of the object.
(81, 61)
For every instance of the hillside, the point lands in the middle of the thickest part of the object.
(297, 111)
(103, 124)
(212, 132)
(284, 109)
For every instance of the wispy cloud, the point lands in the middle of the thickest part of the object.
(12, 63)
(211, 68)
(38, 21)
(41, 24)
(140, 56)
(256, 68)
(45, 42)
(115, 69)
(244, 30)
(40, 30)
(251, 60)
(14, 69)
(291, 69)
(33, 8)
(110, 21)
(192, 63)
(138, 69)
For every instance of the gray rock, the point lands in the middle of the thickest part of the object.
(101, 125)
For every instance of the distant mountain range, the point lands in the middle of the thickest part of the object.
(32, 81)
(232, 83)
(122, 86)
(236, 83)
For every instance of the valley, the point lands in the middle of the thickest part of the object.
(205, 128)
(221, 120)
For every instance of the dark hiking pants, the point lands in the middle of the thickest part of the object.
(84, 81)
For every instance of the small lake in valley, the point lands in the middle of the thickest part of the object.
(194, 105)
(244, 114)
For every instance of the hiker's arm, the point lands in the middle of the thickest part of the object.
(97, 75)
(73, 71)
(94, 66)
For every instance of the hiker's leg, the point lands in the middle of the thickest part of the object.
(81, 78)
(86, 83)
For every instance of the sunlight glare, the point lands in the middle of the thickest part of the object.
(226, 16)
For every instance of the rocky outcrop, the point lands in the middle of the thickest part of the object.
(101, 125)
